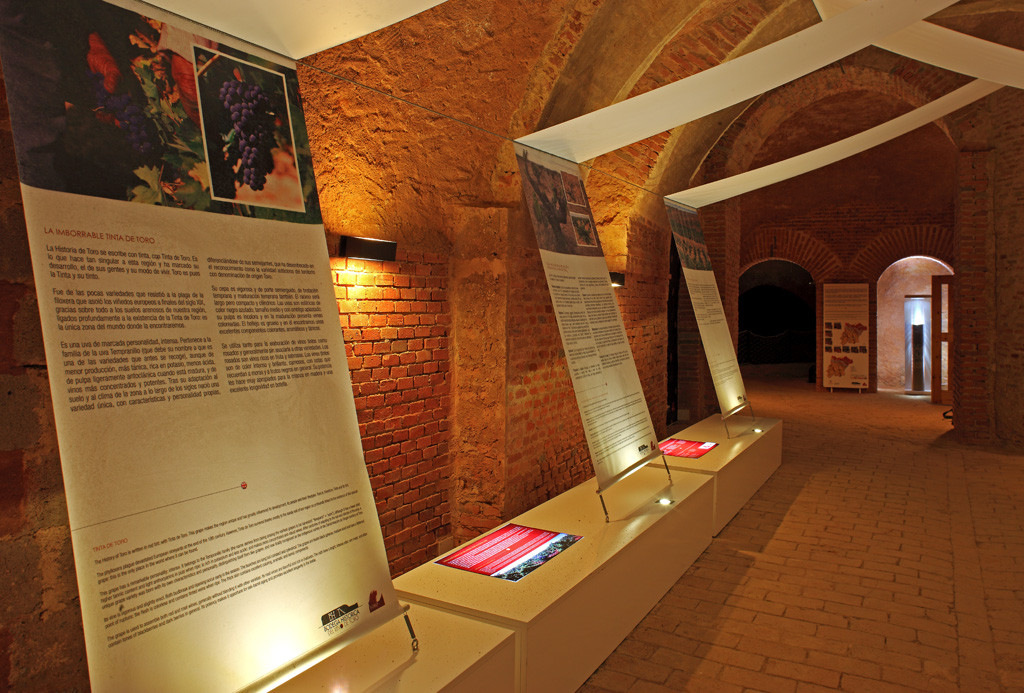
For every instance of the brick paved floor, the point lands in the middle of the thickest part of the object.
(881, 556)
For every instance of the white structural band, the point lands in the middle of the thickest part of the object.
(945, 48)
(773, 173)
(300, 27)
(729, 83)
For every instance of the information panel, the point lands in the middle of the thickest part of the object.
(707, 308)
(616, 420)
(221, 516)
(846, 313)
(690, 449)
(511, 552)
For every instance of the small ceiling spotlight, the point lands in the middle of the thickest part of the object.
(359, 248)
(665, 501)
(758, 430)
(618, 278)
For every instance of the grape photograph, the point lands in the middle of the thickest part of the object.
(583, 225)
(111, 103)
(574, 190)
(693, 251)
(558, 229)
(247, 132)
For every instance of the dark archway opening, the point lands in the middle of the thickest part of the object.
(776, 314)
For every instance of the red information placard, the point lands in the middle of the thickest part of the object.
(511, 552)
(685, 448)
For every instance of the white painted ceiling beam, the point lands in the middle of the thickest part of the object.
(803, 163)
(993, 64)
(296, 28)
(945, 48)
(729, 83)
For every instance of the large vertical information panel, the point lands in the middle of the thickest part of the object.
(616, 420)
(846, 318)
(707, 308)
(221, 516)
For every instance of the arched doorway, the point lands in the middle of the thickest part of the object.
(911, 276)
(776, 314)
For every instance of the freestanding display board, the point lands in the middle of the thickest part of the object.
(707, 308)
(616, 421)
(845, 358)
(221, 517)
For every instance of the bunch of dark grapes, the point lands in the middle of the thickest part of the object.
(126, 114)
(253, 122)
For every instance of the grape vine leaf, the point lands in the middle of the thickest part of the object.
(171, 110)
(147, 79)
(191, 195)
(192, 145)
(176, 161)
(201, 172)
(149, 193)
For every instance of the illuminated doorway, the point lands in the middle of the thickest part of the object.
(911, 276)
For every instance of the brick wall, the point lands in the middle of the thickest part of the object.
(396, 318)
(547, 449)
(857, 242)
(797, 246)
(644, 302)
(861, 237)
(547, 446)
(41, 642)
(709, 36)
(1006, 320)
(972, 372)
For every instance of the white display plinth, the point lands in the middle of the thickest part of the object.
(457, 655)
(739, 465)
(570, 613)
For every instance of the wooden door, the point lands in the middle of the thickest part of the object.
(942, 331)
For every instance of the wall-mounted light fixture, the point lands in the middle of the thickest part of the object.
(618, 278)
(359, 248)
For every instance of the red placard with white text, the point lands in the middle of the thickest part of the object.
(691, 449)
(511, 552)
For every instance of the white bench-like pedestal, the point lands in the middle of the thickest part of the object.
(739, 465)
(457, 655)
(571, 613)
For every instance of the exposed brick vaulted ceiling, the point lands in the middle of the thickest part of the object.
(518, 65)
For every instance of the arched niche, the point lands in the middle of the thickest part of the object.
(910, 276)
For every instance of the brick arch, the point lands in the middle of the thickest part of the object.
(741, 144)
(697, 36)
(712, 32)
(933, 240)
(795, 246)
